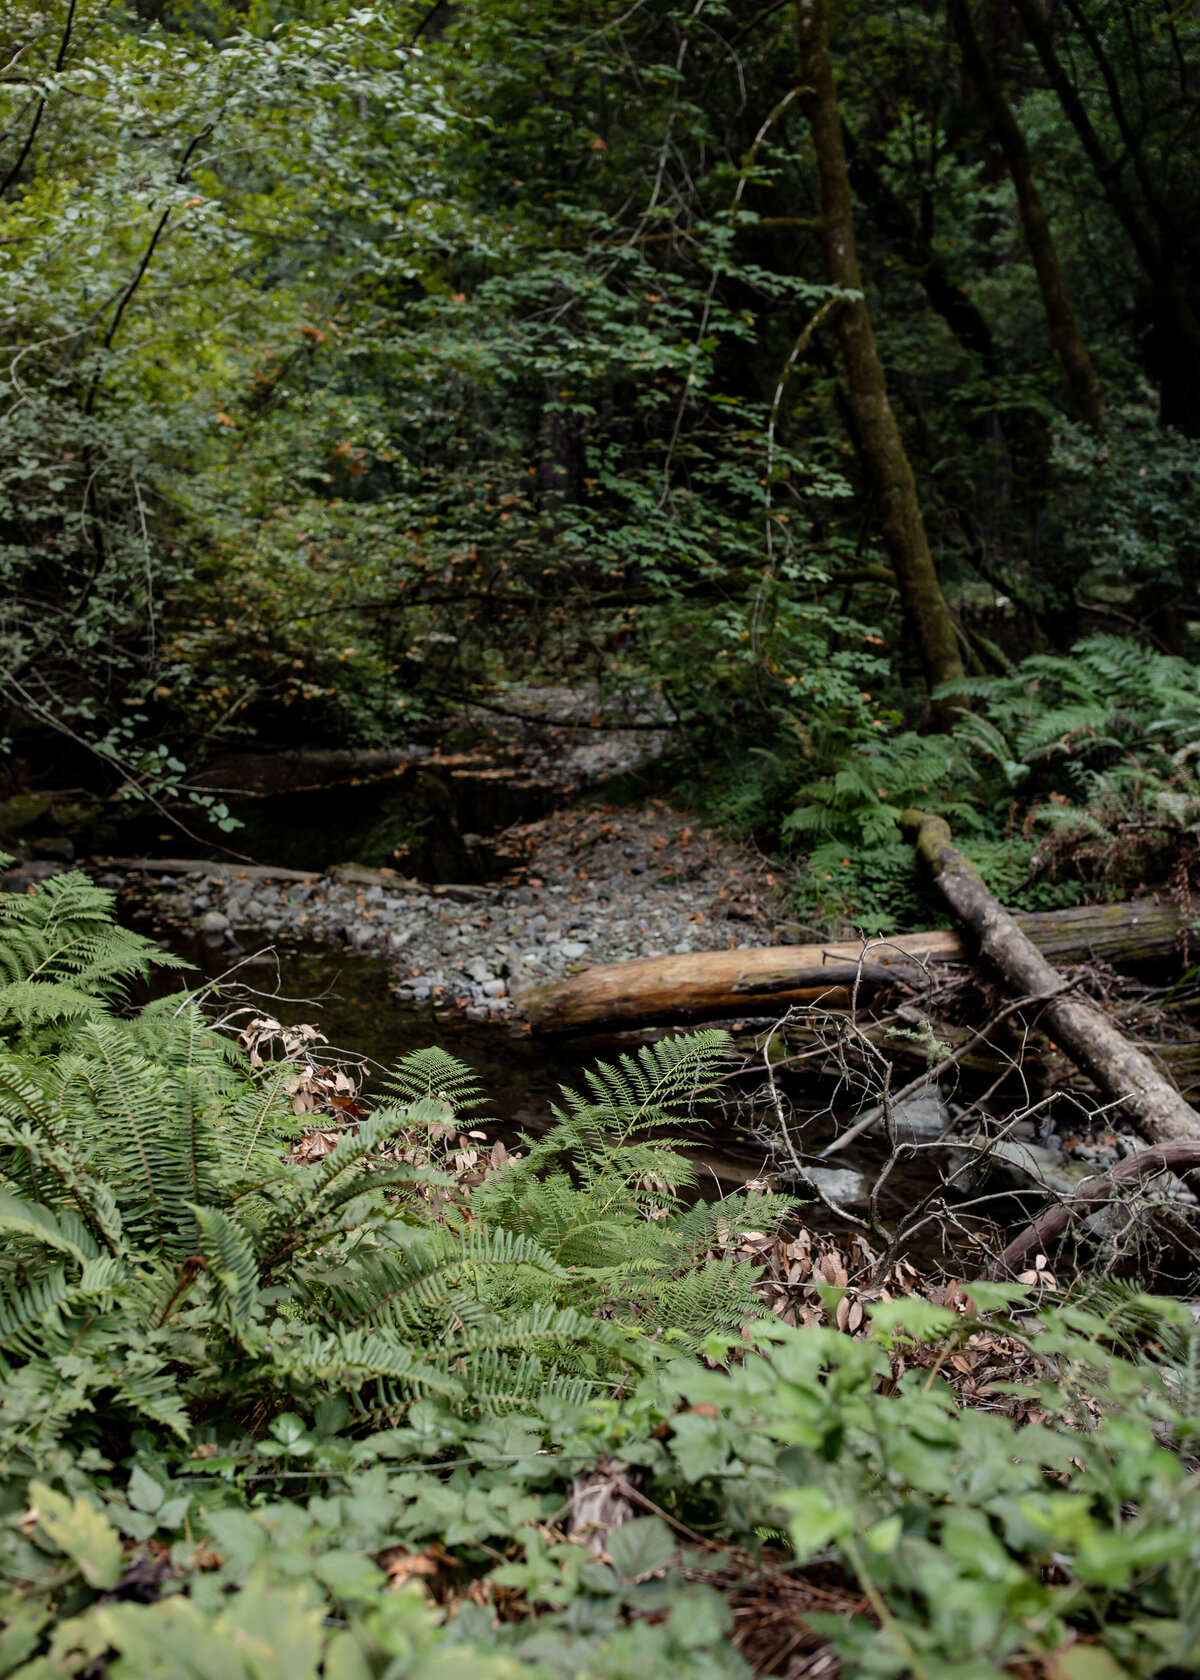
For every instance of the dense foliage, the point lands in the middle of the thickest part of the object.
(248, 1396)
(357, 361)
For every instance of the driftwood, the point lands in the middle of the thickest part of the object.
(1093, 1193)
(349, 874)
(1124, 1074)
(753, 981)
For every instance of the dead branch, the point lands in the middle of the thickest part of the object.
(1094, 1193)
(1087, 1035)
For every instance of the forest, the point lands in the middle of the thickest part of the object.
(600, 840)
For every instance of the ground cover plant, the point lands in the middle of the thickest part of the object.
(361, 1408)
(812, 388)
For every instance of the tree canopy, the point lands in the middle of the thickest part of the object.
(354, 360)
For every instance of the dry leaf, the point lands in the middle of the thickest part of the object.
(401, 1566)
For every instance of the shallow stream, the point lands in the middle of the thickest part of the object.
(354, 1002)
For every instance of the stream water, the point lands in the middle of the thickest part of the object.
(355, 998)
(354, 1002)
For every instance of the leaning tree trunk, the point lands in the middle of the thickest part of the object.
(1123, 1073)
(883, 448)
(1056, 300)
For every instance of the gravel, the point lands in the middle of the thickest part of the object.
(587, 885)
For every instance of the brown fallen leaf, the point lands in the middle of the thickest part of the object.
(401, 1566)
(599, 1504)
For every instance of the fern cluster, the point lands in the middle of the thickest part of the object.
(1068, 773)
(166, 1253)
(62, 957)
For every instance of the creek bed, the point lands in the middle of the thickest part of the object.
(354, 1001)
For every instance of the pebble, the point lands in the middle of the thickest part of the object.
(587, 885)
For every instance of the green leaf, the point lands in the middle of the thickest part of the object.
(816, 1519)
(1087, 1662)
(884, 1536)
(350, 1575)
(32, 1219)
(77, 1528)
(143, 1492)
(641, 1547)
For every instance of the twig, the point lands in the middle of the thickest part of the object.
(1092, 1194)
(867, 1120)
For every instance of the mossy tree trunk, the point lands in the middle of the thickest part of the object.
(1056, 300)
(879, 435)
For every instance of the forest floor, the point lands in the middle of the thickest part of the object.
(600, 877)
(586, 884)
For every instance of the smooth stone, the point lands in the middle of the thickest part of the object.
(573, 948)
(478, 970)
(494, 988)
(215, 921)
(922, 1116)
(1025, 1164)
(841, 1184)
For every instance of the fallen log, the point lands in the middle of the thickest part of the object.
(1093, 1193)
(348, 874)
(711, 984)
(1123, 1073)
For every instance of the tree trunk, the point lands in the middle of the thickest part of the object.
(1174, 350)
(708, 984)
(1072, 352)
(1124, 1074)
(883, 448)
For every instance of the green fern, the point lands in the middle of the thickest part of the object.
(163, 1249)
(62, 957)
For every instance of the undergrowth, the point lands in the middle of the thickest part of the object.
(1070, 779)
(275, 1414)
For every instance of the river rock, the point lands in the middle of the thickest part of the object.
(1023, 1165)
(921, 1117)
(841, 1184)
(215, 921)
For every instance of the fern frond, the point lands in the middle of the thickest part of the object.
(228, 1255)
(66, 1232)
(434, 1074)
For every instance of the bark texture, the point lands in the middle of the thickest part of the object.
(879, 436)
(1093, 1193)
(709, 984)
(1056, 300)
(1123, 1073)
